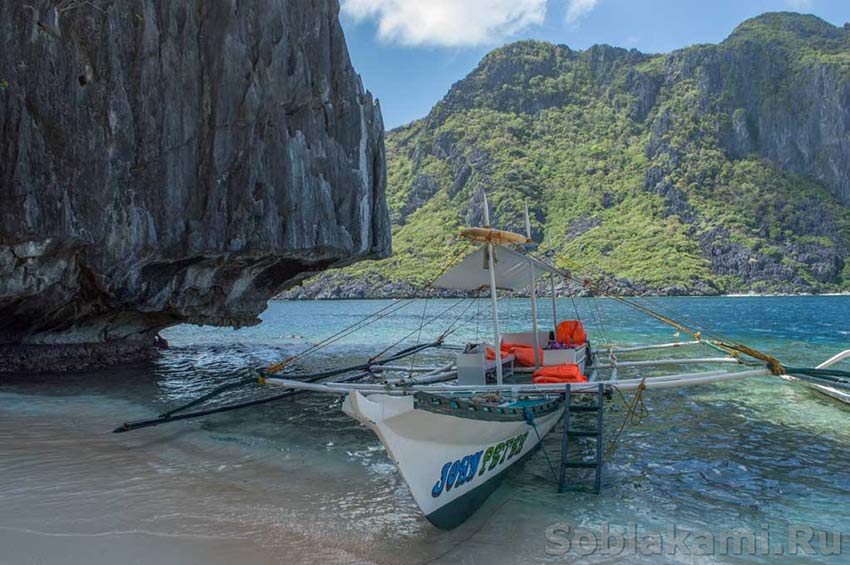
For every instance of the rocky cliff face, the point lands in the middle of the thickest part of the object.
(171, 161)
(778, 88)
(712, 169)
(783, 81)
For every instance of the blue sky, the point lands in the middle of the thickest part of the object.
(410, 52)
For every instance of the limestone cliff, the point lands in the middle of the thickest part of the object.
(171, 161)
(712, 169)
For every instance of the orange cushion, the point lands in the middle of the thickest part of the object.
(567, 373)
(492, 354)
(523, 354)
(571, 332)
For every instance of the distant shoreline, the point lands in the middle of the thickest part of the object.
(733, 295)
(371, 287)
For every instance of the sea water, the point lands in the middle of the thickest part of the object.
(298, 481)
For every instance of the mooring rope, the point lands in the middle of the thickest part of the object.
(705, 330)
(636, 411)
(529, 419)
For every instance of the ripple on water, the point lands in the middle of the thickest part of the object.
(299, 478)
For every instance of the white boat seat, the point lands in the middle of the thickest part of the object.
(526, 338)
(490, 364)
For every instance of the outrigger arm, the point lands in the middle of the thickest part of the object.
(660, 382)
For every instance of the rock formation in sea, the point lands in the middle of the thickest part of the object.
(174, 161)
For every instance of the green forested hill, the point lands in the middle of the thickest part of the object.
(712, 169)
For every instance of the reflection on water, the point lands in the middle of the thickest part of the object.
(299, 481)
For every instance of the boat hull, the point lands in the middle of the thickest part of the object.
(450, 462)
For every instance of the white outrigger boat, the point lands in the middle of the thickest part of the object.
(453, 430)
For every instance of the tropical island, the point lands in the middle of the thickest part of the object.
(714, 169)
(170, 167)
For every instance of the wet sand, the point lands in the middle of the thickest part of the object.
(74, 493)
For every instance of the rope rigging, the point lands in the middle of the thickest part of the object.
(179, 413)
(728, 346)
(359, 325)
(451, 329)
(529, 419)
(440, 338)
(636, 410)
(174, 415)
(374, 317)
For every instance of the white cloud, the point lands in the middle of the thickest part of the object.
(450, 23)
(577, 9)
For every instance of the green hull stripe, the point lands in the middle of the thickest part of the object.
(460, 509)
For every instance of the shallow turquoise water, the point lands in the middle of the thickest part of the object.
(299, 481)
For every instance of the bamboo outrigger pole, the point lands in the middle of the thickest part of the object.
(668, 381)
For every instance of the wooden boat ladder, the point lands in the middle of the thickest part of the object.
(569, 433)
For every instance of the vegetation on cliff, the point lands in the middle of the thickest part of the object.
(712, 169)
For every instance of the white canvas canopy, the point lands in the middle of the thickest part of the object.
(513, 271)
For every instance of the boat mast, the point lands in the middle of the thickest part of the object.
(554, 307)
(497, 338)
(533, 295)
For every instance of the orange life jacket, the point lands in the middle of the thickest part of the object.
(491, 355)
(523, 354)
(571, 332)
(567, 373)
